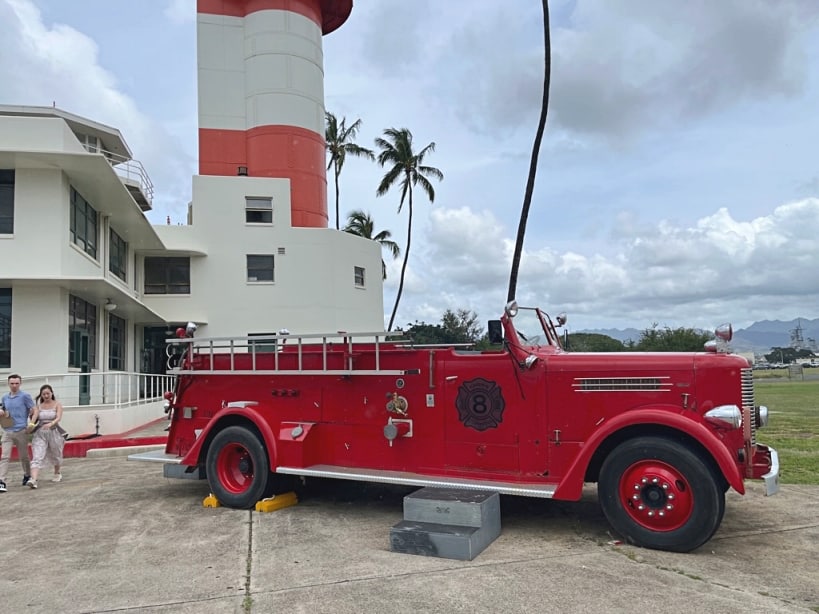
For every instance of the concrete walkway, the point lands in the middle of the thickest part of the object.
(116, 536)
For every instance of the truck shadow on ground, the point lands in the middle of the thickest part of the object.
(583, 517)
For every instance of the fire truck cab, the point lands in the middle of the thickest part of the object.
(664, 435)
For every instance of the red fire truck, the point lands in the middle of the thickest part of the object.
(664, 435)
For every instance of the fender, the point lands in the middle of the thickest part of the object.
(571, 486)
(250, 413)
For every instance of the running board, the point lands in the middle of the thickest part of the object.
(156, 456)
(405, 478)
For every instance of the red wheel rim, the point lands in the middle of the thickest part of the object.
(656, 496)
(235, 468)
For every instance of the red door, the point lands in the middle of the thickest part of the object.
(481, 414)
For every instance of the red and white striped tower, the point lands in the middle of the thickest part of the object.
(261, 94)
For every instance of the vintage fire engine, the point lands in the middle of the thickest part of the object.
(664, 435)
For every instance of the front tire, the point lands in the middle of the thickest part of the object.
(238, 468)
(658, 493)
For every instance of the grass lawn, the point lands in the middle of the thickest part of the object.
(793, 429)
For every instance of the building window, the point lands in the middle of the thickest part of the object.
(91, 143)
(261, 345)
(259, 267)
(5, 328)
(82, 333)
(258, 210)
(167, 275)
(118, 258)
(83, 224)
(6, 202)
(116, 343)
(358, 274)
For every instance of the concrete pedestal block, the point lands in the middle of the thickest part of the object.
(466, 508)
(447, 523)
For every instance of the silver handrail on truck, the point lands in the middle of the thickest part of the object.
(259, 346)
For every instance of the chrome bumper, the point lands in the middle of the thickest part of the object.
(771, 478)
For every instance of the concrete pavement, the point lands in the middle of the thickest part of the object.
(116, 536)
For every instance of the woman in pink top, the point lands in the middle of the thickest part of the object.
(47, 442)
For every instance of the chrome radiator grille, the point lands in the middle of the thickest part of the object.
(749, 401)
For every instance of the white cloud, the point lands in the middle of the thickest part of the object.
(619, 67)
(756, 268)
(59, 65)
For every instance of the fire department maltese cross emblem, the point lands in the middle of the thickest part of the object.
(480, 404)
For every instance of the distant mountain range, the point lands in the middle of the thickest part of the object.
(762, 336)
(622, 334)
(758, 337)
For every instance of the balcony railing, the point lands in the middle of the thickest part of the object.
(105, 388)
(133, 175)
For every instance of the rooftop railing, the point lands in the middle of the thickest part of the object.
(132, 173)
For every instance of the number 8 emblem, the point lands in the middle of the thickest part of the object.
(480, 404)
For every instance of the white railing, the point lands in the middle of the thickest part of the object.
(128, 169)
(115, 389)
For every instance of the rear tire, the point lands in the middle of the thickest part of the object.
(658, 493)
(238, 468)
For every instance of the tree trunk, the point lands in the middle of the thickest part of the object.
(403, 265)
(530, 183)
(336, 172)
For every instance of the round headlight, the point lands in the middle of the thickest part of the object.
(727, 414)
(724, 332)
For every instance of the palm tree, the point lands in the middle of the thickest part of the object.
(361, 224)
(530, 183)
(406, 168)
(339, 140)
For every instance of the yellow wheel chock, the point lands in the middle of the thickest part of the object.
(277, 502)
(211, 501)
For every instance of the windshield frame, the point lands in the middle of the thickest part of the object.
(546, 336)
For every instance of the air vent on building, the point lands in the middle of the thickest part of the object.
(281, 251)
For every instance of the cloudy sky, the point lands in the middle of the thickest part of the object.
(678, 180)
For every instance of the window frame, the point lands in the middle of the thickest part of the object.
(84, 224)
(117, 255)
(164, 284)
(261, 206)
(6, 300)
(7, 187)
(117, 342)
(271, 269)
(82, 317)
(363, 282)
(262, 346)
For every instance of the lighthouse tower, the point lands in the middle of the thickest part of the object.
(261, 94)
(260, 254)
